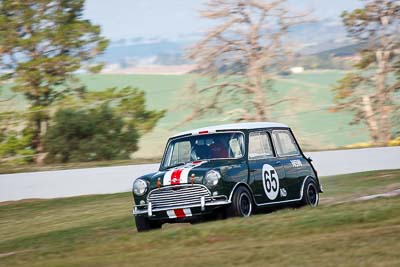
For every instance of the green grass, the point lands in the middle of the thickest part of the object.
(348, 187)
(99, 231)
(314, 125)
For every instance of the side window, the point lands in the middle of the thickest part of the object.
(284, 143)
(259, 146)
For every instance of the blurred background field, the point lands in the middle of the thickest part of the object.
(317, 127)
(309, 116)
(99, 231)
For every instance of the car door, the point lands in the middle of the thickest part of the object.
(295, 165)
(266, 171)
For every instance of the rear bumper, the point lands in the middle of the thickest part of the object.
(195, 209)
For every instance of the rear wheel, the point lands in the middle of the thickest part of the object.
(310, 194)
(242, 203)
(144, 224)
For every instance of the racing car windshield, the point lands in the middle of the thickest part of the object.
(203, 147)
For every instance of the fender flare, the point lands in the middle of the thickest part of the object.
(304, 182)
(236, 186)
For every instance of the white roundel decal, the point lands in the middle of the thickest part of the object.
(270, 181)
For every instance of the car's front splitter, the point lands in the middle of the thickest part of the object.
(180, 212)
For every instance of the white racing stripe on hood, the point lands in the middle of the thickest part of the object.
(184, 175)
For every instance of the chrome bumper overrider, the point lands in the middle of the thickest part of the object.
(147, 209)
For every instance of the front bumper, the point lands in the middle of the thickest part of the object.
(196, 209)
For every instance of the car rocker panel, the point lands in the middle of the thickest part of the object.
(228, 168)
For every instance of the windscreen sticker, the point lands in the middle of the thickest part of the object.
(270, 181)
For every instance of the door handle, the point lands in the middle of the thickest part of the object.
(253, 170)
(278, 162)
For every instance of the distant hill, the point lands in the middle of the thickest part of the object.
(161, 52)
(310, 39)
(330, 58)
(344, 51)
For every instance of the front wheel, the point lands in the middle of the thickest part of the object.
(310, 194)
(242, 203)
(144, 224)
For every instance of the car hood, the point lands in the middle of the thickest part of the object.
(184, 174)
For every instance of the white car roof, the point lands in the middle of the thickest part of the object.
(234, 126)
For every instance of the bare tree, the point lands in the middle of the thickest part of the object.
(369, 91)
(240, 56)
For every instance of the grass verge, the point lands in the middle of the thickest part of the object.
(99, 231)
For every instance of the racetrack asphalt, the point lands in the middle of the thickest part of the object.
(107, 180)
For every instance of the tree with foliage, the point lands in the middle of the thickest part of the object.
(42, 43)
(15, 143)
(130, 104)
(103, 125)
(15, 147)
(369, 91)
(240, 55)
(97, 134)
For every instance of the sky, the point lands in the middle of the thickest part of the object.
(177, 19)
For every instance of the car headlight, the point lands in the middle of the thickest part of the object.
(212, 178)
(139, 187)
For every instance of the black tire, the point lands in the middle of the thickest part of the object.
(242, 203)
(310, 194)
(143, 224)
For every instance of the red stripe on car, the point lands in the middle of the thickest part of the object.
(179, 213)
(176, 177)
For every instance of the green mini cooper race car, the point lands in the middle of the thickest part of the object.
(226, 170)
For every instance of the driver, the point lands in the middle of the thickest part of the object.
(218, 149)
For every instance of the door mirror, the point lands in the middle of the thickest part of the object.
(309, 159)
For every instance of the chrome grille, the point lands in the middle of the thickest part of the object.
(178, 195)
